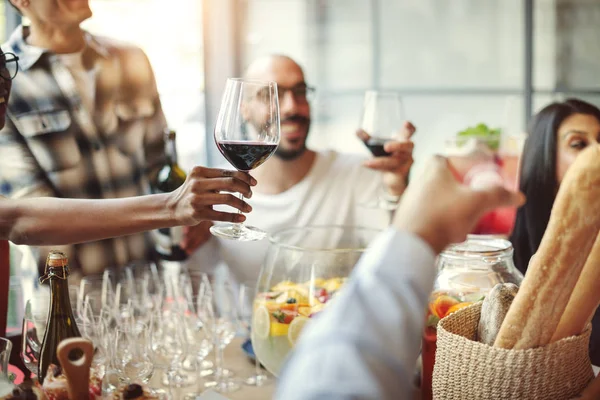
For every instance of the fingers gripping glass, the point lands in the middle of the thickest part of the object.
(9, 66)
(247, 134)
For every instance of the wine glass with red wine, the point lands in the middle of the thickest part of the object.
(381, 121)
(247, 134)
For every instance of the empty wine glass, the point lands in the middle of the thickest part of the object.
(247, 293)
(247, 134)
(200, 343)
(131, 358)
(222, 321)
(5, 385)
(381, 121)
(168, 346)
(97, 287)
(34, 327)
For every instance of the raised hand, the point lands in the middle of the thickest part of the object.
(396, 165)
(441, 210)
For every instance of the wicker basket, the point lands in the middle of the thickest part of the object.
(467, 369)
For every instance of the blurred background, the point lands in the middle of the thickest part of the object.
(456, 63)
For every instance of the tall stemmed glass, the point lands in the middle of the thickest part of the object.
(34, 326)
(247, 134)
(381, 121)
(221, 318)
(247, 294)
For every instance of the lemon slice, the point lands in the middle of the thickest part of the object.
(261, 322)
(296, 328)
(279, 329)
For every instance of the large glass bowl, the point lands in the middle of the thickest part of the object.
(303, 271)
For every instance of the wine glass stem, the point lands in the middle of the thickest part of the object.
(221, 365)
(239, 226)
(199, 378)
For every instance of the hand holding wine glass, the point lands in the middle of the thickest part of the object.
(204, 188)
(247, 134)
(386, 134)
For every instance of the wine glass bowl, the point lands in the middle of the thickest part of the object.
(246, 133)
(304, 269)
(34, 327)
(381, 121)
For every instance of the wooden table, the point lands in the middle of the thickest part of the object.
(242, 367)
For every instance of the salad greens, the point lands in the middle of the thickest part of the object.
(482, 132)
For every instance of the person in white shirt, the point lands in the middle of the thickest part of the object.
(365, 345)
(301, 187)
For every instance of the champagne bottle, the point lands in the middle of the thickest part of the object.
(169, 178)
(61, 321)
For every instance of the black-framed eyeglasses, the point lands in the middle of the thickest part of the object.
(9, 66)
(301, 92)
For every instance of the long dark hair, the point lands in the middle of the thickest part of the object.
(537, 176)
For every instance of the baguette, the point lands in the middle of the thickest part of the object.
(552, 275)
(585, 298)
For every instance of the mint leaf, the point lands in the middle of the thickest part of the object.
(481, 131)
(279, 316)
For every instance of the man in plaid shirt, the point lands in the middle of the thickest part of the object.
(84, 121)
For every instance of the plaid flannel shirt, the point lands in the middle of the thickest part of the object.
(53, 146)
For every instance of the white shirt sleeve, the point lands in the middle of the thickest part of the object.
(365, 344)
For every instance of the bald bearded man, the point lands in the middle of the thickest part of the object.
(299, 186)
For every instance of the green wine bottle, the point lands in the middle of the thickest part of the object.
(169, 178)
(61, 321)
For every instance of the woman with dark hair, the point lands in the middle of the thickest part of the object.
(556, 136)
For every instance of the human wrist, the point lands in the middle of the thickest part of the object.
(168, 208)
(435, 239)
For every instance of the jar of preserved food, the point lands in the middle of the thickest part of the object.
(466, 273)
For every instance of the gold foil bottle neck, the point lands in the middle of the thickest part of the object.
(57, 259)
(57, 265)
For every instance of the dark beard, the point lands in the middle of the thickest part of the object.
(289, 155)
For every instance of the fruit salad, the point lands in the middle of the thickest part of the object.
(281, 314)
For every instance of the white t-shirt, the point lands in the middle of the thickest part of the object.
(330, 194)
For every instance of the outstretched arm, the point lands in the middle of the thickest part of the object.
(52, 221)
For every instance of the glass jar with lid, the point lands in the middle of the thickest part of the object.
(467, 271)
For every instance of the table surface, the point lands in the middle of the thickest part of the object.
(239, 363)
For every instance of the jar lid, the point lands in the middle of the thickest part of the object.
(480, 247)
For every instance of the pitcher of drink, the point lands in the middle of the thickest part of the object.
(466, 273)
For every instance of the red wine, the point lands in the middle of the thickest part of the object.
(375, 145)
(245, 156)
